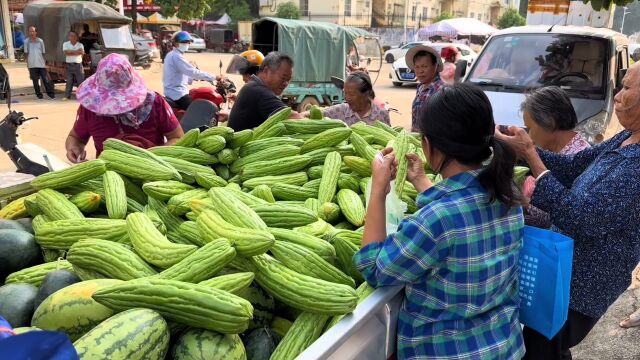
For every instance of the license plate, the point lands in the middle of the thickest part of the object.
(408, 76)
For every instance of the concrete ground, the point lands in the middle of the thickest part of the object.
(56, 117)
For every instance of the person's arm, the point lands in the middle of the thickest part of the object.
(67, 48)
(174, 136)
(75, 147)
(183, 67)
(609, 205)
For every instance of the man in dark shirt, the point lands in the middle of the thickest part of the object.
(258, 99)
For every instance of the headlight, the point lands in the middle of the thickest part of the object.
(594, 127)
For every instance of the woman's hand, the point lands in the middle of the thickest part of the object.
(383, 170)
(415, 173)
(519, 140)
(75, 149)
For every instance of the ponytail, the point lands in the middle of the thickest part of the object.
(497, 177)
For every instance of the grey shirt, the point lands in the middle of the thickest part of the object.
(34, 51)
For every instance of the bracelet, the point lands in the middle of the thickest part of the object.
(542, 174)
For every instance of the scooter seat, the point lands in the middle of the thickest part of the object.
(200, 114)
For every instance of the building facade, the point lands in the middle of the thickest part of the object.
(484, 10)
(341, 12)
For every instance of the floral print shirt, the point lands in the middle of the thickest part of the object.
(343, 112)
(422, 94)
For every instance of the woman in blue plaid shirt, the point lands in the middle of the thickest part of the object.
(457, 256)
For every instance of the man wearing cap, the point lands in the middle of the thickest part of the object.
(178, 73)
(425, 61)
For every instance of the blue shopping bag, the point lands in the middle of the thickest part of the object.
(545, 278)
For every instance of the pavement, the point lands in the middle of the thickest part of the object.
(56, 117)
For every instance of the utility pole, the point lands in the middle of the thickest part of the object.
(624, 14)
(406, 16)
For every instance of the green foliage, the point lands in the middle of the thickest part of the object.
(444, 16)
(288, 10)
(511, 18)
(192, 9)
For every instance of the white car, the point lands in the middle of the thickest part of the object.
(401, 74)
(198, 43)
(394, 54)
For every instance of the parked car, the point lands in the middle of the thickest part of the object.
(144, 43)
(396, 53)
(400, 74)
(143, 51)
(198, 43)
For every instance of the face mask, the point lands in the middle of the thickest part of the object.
(183, 47)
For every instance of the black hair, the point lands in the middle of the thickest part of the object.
(458, 121)
(550, 107)
(73, 32)
(274, 59)
(364, 82)
(424, 53)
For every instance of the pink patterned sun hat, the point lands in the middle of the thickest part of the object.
(115, 88)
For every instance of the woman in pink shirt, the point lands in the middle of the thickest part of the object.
(115, 103)
(550, 119)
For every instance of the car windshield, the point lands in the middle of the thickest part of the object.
(116, 36)
(522, 61)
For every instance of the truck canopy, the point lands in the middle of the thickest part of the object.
(318, 49)
(56, 19)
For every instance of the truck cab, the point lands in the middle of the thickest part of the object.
(588, 63)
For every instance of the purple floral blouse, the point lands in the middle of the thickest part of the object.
(343, 112)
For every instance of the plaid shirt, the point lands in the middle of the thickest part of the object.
(422, 95)
(457, 257)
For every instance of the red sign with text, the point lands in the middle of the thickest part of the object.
(142, 5)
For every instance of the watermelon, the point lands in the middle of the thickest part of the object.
(53, 282)
(263, 305)
(73, 310)
(18, 250)
(26, 224)
(16, 303)
(134, 334)
(261, 343)
(11, 225)
(205, 344)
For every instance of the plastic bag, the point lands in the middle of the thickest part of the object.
(395, 207)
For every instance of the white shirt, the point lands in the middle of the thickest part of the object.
(177, 75)
(74, 59)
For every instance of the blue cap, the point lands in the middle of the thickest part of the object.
(182, 36)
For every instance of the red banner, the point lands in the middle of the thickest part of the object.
(143, 5)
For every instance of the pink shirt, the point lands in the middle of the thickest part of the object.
(161, 121)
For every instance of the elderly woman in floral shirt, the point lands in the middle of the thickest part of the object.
(359, 105)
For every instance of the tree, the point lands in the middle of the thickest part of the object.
(444, 16)
(237, 10)
(194, 9)
(511, 18)
(288, 10)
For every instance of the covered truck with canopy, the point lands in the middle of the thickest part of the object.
(319, 51)
(54, 19)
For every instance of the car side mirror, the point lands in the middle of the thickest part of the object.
(461, 70)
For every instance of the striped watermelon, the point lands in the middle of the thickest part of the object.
(205, 344)
(263, 305)
(72, 309)
(134, 334)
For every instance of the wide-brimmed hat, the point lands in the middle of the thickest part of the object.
(115, 88)
(408, 58)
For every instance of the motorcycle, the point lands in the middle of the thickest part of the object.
(20, 55)
(240, 46)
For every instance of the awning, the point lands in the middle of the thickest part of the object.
(224, 20)
(456, 27)
(157, 18)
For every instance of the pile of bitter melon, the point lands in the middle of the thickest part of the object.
(222, 234)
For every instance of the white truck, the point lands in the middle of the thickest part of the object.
(566, 44)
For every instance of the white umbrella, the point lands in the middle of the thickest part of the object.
(224, 20)
(456, 27)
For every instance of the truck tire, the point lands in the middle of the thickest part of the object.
(307, 103)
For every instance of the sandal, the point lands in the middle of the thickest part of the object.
(632, 321)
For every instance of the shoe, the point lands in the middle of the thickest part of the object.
(39, 96)
(52, 97)
(65, 98)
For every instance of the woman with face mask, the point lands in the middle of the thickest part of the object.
(458, 254)
(425, 61)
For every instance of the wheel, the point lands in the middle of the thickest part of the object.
(389, 58)
(398, 84)
(307, 103)
(199, 51)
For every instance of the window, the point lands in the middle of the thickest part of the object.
(347, 7)
(425, 13)
(413, 13)
(117, 37)
(304, 7)
(472, 15)
(479, 16)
